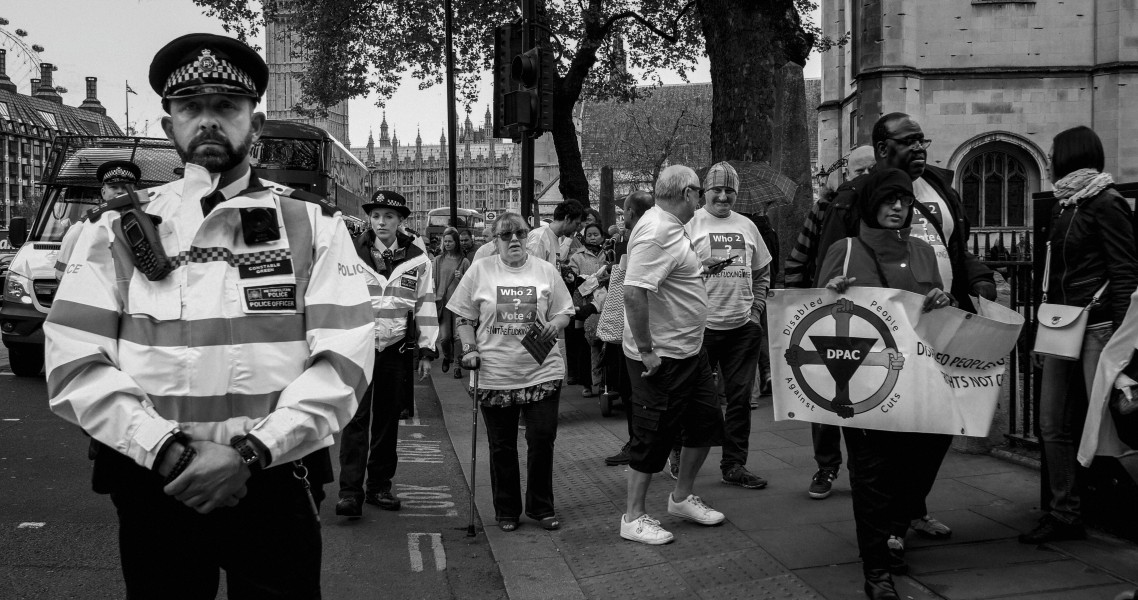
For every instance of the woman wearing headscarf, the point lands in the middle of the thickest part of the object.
(882, 463)
(499, 300)
(1091, 246)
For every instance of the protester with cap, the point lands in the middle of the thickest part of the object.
(402, 287)
(212, 386)
(736, 300)
(117, 177)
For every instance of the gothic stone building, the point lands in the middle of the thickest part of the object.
(419, 171)
(991, 83)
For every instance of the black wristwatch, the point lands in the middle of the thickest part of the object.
(248, 452)
(467, 348)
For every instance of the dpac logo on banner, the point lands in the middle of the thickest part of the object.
(870, 358)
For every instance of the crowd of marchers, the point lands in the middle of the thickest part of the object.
(211, 364)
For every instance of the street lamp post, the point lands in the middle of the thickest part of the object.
(452, 117)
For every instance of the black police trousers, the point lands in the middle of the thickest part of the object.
(369, 441)
(269, 544)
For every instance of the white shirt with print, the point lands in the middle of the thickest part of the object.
(730, 292)
(926, 231)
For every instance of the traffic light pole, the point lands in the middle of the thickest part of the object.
(452, 120)
(529, 13)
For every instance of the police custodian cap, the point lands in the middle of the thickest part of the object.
(388, 199)
(203, 63)
(118, 171)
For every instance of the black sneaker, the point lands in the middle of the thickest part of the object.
(620, 458)
(823, 481)
(673, 465)
(1051, 529)
(740, 476)
(349, 507)
(384, 500)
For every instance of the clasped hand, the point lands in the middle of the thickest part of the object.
(214, 478)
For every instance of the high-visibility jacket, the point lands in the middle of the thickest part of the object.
(408, 287)
(273, 339)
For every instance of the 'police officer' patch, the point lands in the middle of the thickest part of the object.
(270, 297)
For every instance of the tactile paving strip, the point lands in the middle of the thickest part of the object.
(729, 567)
(600, 527)
(786, 587)
(696, 540)
(658, 582)
(591, 561)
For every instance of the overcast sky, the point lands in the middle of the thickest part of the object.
(114, 40)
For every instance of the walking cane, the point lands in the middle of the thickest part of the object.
(470, 531)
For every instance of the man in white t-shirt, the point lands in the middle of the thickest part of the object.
(665, 307)
(737, 297)
(545, 242)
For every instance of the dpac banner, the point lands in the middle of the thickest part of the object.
(871, 359)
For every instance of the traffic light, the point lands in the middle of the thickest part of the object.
(523, 84)
(507, 45)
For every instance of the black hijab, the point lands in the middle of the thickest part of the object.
(883, 185)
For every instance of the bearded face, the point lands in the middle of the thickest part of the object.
(214, 131)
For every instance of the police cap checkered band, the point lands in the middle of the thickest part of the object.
(387, 199)
(202, 63)
(721, 174)
(118, 171)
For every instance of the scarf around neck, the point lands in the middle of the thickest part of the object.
(1084, 183)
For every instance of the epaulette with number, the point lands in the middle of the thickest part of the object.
(325, 205)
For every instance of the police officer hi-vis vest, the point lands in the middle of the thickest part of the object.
(273, 339)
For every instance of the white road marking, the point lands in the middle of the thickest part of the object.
(419, 451)
(30, 525)
(416, 435)
(413, 421)
(11, 419)
(416, 554)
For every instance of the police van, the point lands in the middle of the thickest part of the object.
(292, 154)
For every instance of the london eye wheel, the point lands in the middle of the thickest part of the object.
(23, 59)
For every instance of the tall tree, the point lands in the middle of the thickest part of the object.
(359, 46)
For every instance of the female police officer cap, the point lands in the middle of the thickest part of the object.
(203, 63)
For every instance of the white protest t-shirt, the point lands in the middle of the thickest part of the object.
(662, 261)
(544, 244)
(506, 300)
(926, 231)
(730, 292)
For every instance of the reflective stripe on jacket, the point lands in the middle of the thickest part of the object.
(273, 339)
(410, 287)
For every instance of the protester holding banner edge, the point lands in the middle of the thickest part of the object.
(1091, 242)
(884, 464)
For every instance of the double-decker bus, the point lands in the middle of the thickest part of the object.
(438, 219)
(299, 156)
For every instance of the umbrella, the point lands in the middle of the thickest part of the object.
(760, 186)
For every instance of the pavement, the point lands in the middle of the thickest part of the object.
(776, 542)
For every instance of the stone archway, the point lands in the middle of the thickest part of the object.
(996, 174)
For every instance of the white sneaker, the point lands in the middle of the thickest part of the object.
(693, 509)
(645, 530)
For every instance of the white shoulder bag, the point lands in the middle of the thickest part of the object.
(1061, 327)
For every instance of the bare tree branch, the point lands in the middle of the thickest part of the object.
(671, 37)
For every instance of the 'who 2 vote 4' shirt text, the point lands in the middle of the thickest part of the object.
(730, 292)
(506, 301)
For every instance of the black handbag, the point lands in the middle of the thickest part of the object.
(1125, 415)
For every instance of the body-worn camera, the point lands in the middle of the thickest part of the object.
(259, 225)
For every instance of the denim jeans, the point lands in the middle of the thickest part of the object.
(736, 351)
(505, 474)
(1061, 418)
(827, 445)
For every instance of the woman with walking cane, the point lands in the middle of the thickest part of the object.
(508, 312)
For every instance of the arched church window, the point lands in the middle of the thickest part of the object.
(994, 190)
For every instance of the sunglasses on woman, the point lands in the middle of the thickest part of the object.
(520, 234)
(905, 201)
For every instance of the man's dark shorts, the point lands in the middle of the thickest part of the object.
(680, 399)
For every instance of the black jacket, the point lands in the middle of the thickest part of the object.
(1091, 242)
(843, 220)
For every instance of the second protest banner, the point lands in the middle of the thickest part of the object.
(871, 359)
